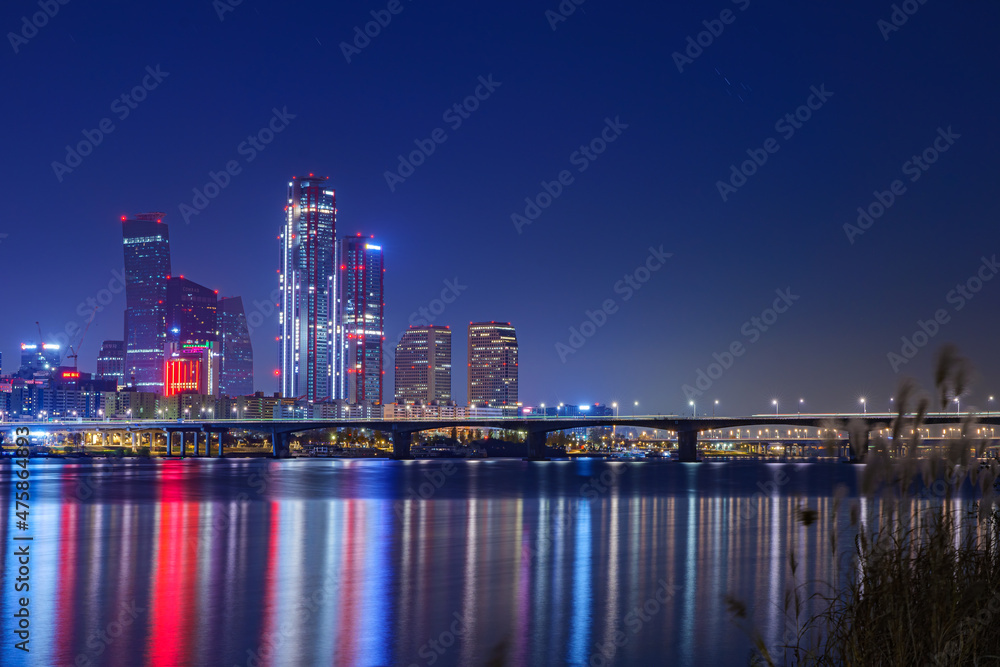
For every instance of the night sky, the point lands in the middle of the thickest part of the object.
(882, 101)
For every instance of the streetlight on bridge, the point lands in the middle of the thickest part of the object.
(775, 402)
(694, 409)
(714, 407)
(634, 407)
(989, 406)
(864, 405)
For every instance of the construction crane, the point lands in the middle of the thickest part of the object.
(73, 354)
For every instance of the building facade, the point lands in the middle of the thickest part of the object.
(306, 279)
(111, 362)
(236, 367)
(493, 366)
(360, 321)
(146, 242)
(423, 365)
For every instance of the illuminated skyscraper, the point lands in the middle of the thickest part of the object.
(236, 373)
(493, 365)
(191, 361)
(360, 321)
(111, 361)
(423, 365)
(147, 265)
(306, 279)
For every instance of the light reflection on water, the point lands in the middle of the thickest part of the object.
(339, 562)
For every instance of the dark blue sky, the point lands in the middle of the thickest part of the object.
(655, 185)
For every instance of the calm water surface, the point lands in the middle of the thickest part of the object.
(327, 562)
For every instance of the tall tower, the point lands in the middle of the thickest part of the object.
(360, 321)
(236, 374)
(493, 365)
(147, 265)
(423, 365)
(191, 356)
(306, 279)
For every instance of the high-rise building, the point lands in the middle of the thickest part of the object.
(191, 311)
(423, 365)
(111, 362)
(360, 321)
(236, 370)
(191, 355)
(306, 279)
(39, 358)
(493, 365)
(147, 265)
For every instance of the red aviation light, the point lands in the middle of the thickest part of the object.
(123, 218)
(277, 372)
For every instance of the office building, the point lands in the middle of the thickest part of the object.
(423, 366)
(360, 321)
(236, 363)
(493, 366)
(191, 311)
(306, 279)
(111, 362)
(146, 242)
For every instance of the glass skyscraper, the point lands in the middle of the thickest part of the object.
(192, 311)
(306, 279)
(360, 321)
(236, 373)
(147, 265)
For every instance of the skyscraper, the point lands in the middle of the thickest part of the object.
(191, 355)
(360, 321)
(306, 279)
(236, 372)
(191, 310)
(493, 365)
(111, 361)
(147, 265)
(423, 365)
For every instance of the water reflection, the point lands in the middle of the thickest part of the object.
(301, 563)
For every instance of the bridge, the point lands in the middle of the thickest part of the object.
(536, 428)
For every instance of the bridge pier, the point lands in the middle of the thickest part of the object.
(280, 444)
(401, 442)
(170, 442)
(536, 445)
(222, 433)
(687, 446)
(183, 442)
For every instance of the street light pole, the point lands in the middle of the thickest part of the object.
(775, 401)
(694, 409)
(714, 407)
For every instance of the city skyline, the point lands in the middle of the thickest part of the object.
(638, 158)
